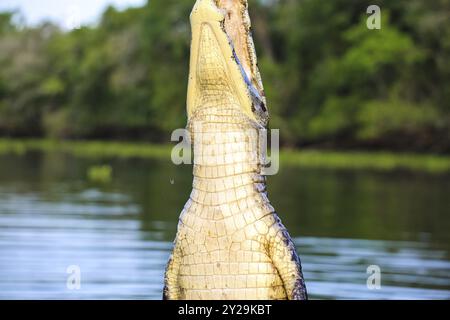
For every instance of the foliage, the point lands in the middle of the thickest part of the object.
(330, 81)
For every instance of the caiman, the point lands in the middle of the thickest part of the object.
(230, 243)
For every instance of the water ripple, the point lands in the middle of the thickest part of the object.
(119, 258)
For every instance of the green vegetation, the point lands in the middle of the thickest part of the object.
(383, 161)
(92, 149)
(101, 173)
(329, 80)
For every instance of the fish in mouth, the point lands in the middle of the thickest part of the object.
(230, 242)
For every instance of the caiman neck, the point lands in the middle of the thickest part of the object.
(227, 164)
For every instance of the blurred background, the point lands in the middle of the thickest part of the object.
(90, 92)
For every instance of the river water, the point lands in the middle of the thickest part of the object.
(117, 236)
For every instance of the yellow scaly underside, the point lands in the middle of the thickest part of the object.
(230, 243)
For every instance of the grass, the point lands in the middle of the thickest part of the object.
(94, 149)
(383, 161)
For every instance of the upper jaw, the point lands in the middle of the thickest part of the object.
(237, 28)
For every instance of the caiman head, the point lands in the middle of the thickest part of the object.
(228, 22)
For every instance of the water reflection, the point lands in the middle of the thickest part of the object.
(120, 234)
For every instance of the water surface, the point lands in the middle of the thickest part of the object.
(120, 233)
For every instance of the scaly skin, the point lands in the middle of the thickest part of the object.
(230, 243)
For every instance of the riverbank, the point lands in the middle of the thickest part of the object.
(382, 161)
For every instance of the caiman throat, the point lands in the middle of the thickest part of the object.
(230, 243)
